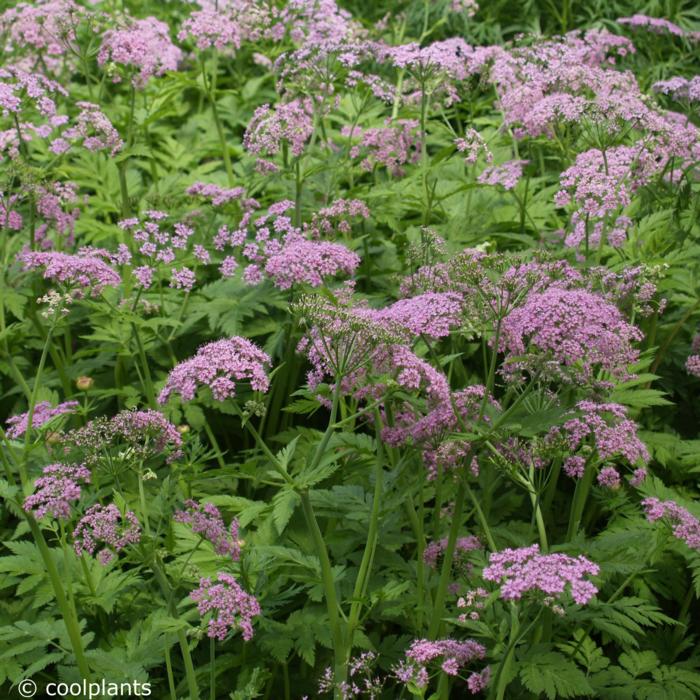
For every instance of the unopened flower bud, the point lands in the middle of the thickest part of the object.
(53, 437)
(84, 383)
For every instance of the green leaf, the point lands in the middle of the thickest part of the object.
(284, 502)
(640, 398)
(553, 675)
(637, 663)
(194, 416)
(284, 456)
(586, 652)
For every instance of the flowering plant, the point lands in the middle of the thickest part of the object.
(350, 349)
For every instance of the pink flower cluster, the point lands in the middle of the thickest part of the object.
(219, 365)
(149, 427)
(474, 601)
(303, 261)
(633, 289)
(599, 184)
(519, 571)
(105, 526)
(335, 217)
(287, 125)
(93, 129)
(205, 520)
(217, 195)
(657, 25)
(692, 365)
(9, 218)
(471, 144)
(446, 60)
(608, 429)
(159, 242)
(506, 174)
(22, 90)
(147, 433)
(432, 314)
(144, 48)
(463, 545)
(685, 526)
(282, 253)
(680, 88)
(430, 430)
(466, 7)
(43, 414)
(361, 683)
(568, 333)
(209, 27)
(47, 26)
(559, 80)
(232, 607)
(391, 146)
(83, 272)
(56, 490)
(453, 656)
(52, 200)
(609, 478)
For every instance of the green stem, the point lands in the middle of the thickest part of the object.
(340, 670)
(371, 546)
(551, 487)
(88, 576)
(420, 561)
(148, 381)
(285, 679)
(54, 352)
(210, 88)
(683, 623)
(215, 445)
(132, 110)
(321, 449)
(437, 510)
(583, 487)
(181, 637)
(86, 74)
(504, 669)
(32, 406)
(482, 519)
(446, 572)
(535, 500)
(443, 689)
(212, 668)
(169, 672)
(397, 95)
(142, 501)
(124, 189)
(67, 612)
(268, 453)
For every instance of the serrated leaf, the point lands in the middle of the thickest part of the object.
(637, 663)
(284, 503)
(553, 675)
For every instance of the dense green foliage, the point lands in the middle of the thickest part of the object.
(335, 515)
